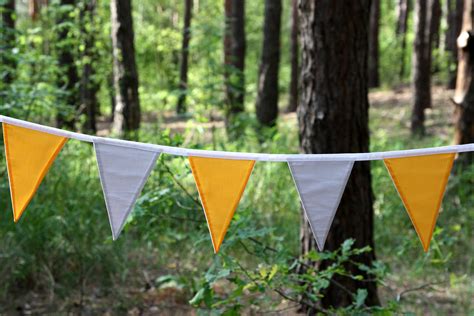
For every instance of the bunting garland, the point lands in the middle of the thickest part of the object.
(421, 182)
(221, 183)
(29, 155)
(419, 175)
(320, 185)
(123, 172)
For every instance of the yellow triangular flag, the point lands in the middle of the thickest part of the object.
(29, 155)
(421, 182)
(221, 183)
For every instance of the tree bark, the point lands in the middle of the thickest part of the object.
(333, 118)
(464, 93)
(34, 8)
(234, 58)
(435, 23)
(421, 78)
(403, 11)
(227, 40)
(183, 71)
(293, 103)
(454, 20)
(127, 103)
(267, 98)
(374, 80)
(89, 84)
(8, 39)
(69, 79)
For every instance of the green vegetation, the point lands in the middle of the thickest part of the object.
(61, 256)
(62, 247)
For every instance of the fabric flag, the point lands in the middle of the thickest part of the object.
(29, 154)
(221, 183)
(320, 185)
(421, 182)
(123, 172)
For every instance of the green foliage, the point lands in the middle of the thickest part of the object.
(62, 246)
(60, 242)
(275, 277)
(36, 90)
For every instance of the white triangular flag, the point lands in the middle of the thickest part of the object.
(123, 172)
(320, 185)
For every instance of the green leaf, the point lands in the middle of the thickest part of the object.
(198, 298)
(360, 297)
(273, 272)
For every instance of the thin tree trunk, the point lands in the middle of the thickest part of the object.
(234, 59)
(435, 23)
(183, 71)
(127, 103)
(8, 39)
(435, 14)
(239, 46)
(464, 94)
(333, 118)
(69, 81)
(374, 80)
(403, 11)
(89, 85)
(34, 7)
(293, 104)
(454, 19)
(227, 40)
(267, 98)
(421, 81)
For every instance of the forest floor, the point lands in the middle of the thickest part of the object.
(390, 117)
(390, 112)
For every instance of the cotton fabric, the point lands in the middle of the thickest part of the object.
(186, 152)
(29, 156)
(421, 182)
(123, 172)
(320, 185)
(221, 183)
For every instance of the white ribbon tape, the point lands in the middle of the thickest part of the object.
(239, 155)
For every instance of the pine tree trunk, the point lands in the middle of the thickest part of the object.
(234, 58)
(403, 11)
(239, 46)
(374, 80)
(267, 98)
(35, 6)
(183, 71)
(69, 79)
(435, 13)
(111, 90)
(454, 21)
(8, 38)
(227, 40)
(464, 94)
(333, 118)
(89, 85)
(127, 103)
(421, 78)
(293, 103)
(435, 23)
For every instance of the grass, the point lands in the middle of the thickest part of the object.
(61, 256)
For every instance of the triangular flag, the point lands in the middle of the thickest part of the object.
(29, 154)
(320, 185)
(123, 172)
(421, 182)
(221, 183)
